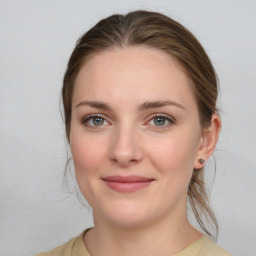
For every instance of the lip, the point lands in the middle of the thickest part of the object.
(127, 184)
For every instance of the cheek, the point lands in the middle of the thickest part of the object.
(173, 158)
(88, 153)
(174, 154)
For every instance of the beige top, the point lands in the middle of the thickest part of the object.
(76, 247)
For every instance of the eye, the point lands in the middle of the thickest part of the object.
(161, 120)
(95, 121)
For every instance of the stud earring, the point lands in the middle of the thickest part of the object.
(201, 160)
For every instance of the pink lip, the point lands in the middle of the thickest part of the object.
(127, 183)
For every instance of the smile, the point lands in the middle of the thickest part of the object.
(127, 184)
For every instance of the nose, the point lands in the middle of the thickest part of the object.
(126, 147)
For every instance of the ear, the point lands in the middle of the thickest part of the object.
(208, 141)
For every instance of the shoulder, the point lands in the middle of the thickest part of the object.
(212, 249)
(204, 247)
(67, 249)
(62, 250)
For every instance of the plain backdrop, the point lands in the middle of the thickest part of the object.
(36, 39)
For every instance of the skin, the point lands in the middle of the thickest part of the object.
(128, 140)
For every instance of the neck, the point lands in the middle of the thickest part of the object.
(164, 237)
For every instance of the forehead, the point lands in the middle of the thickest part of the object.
(132, 73)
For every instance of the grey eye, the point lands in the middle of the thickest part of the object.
(97, 121)
(159, 121)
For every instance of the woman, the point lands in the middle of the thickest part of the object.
(139, 98)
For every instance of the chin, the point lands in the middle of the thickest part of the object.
(126, 215)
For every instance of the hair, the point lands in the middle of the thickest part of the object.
(155, 30)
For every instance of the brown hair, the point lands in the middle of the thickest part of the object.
(158, 31)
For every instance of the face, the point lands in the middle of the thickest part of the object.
(135, 135)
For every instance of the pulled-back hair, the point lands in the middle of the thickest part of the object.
(157, 31)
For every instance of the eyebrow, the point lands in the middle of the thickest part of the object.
(94, 104)
(144, 106)
(158, 104)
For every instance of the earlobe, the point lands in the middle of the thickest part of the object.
(208, 141)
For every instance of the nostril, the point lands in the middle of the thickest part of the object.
(123, 158)
(125, 148)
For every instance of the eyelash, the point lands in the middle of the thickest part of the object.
(165, 117)
(85, 121)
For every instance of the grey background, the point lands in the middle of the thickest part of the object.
(36, 39)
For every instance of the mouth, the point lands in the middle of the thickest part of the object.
(127, 184)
